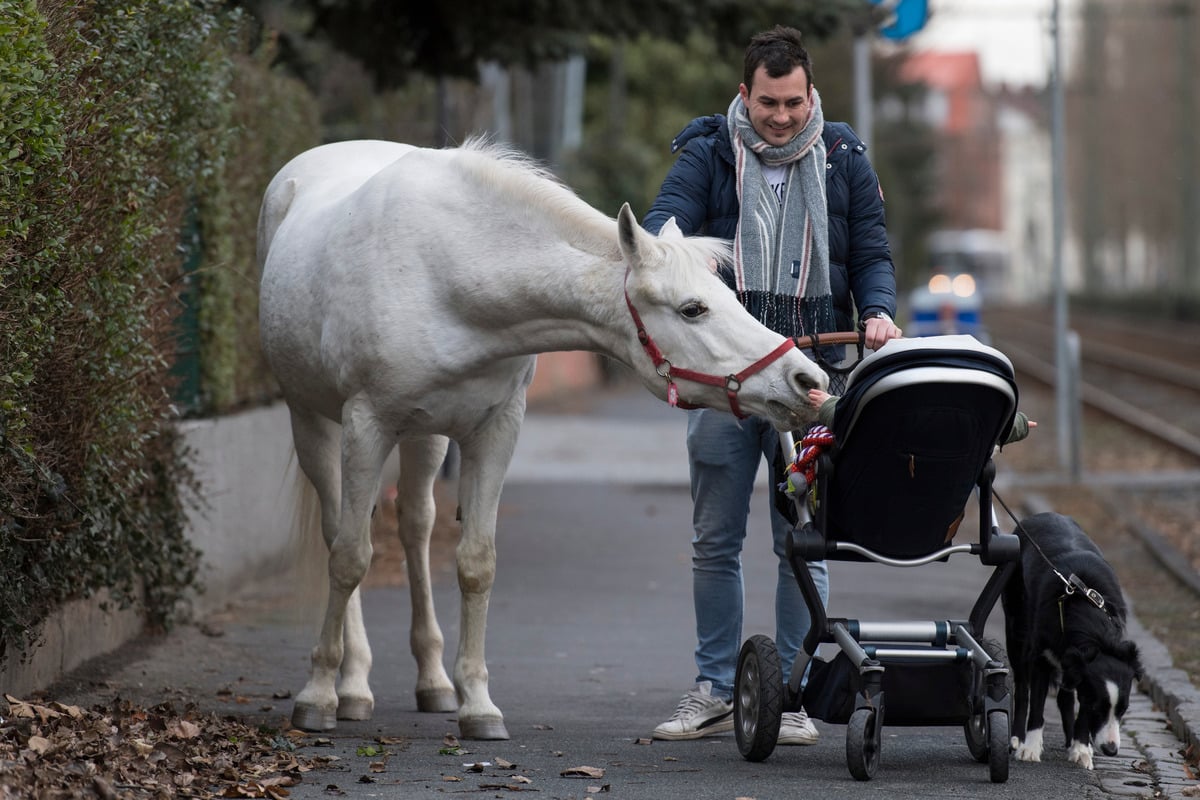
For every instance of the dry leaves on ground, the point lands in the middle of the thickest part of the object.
(49, 750)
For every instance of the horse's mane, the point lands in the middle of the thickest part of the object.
(547, 201)
(534, 191)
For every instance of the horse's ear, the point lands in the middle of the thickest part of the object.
(629, 233)
(670, 230)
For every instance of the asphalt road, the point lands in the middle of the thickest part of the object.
(589, 647)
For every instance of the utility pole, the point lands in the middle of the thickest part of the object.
(864, 118)
(1066, 346)
(1189, 204)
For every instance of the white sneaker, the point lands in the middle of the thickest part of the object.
(698, 714)
(797, 728)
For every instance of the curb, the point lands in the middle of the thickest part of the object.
(1171, 689)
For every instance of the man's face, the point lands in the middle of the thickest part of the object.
(778, 107)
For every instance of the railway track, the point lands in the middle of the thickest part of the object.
(1140, 493)
(1145, 376)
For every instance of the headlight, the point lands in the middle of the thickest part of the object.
(939, 284)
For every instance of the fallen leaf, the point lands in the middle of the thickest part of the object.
(477, 766)
(643, 740)
(503, 764)
(38, 744)
(521, 779)
(453, 778)
(599, 789)
(75, 712)
(184, 730)
(1191, 791)
(582, 772)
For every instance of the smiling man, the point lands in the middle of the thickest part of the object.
(802, 206)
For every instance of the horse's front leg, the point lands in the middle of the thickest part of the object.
(321, 701)
(485, 459)
(420, 461)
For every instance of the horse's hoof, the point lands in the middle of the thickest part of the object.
(437, 700)
(355, 708)
(311, 718)
(489, 728)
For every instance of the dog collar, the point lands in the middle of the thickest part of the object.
(1075, 582)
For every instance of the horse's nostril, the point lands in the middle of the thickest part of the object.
(804, 381)
(1109, 749)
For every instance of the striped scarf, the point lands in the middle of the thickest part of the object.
(781, 251)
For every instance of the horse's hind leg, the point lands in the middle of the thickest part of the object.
(343, 464)
(420, 460)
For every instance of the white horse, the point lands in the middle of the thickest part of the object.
(405, 293)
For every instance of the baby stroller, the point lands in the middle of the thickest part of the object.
(914, 432)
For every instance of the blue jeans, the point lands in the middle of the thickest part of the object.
(724, 454)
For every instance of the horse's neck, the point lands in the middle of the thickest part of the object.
(560, 298)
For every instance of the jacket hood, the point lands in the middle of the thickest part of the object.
(700, 126)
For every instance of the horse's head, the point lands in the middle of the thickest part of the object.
(696, 326)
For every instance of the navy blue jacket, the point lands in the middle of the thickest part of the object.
(701, 193)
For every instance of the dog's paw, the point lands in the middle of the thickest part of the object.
(1081, 754)
(1031, 748)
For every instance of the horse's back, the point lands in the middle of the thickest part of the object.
(320, 177)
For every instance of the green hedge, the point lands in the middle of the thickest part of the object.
(118, 120)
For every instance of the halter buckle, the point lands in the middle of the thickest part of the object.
(659, 369)
(733, 384)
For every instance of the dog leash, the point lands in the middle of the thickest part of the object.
(1072, 583)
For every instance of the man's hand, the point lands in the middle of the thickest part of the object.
(879, 330)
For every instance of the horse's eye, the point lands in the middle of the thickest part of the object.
(693, 309)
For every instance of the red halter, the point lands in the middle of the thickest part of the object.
(732, 383)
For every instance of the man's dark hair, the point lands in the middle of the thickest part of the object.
(779, 51)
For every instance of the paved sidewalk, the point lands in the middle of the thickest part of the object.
(1164, 716)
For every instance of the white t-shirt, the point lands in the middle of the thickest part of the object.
(776, 178)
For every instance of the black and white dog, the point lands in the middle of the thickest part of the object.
(1070, 635)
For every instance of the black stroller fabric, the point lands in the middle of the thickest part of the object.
(909, 457)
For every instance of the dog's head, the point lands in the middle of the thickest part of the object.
(1102, 677)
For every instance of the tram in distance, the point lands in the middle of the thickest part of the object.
(968, 268)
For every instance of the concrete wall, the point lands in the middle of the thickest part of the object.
(244, 530)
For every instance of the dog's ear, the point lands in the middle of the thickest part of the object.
(1128, 652)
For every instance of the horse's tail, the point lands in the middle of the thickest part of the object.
(310, 555)
(276, 202)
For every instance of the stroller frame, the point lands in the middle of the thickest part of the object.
(925, 654)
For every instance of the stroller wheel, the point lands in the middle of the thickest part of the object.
(758, 698)
(998, 732)
(862, 744)
(975, 727)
